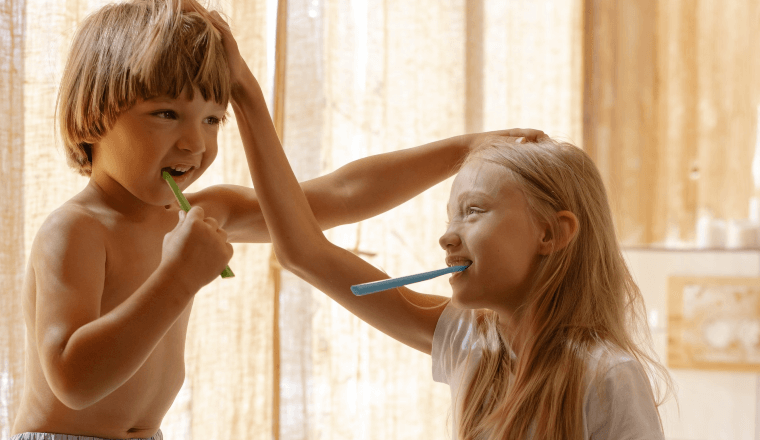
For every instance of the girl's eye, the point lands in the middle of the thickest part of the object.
(472, 210)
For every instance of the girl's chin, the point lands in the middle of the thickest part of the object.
(463, 300)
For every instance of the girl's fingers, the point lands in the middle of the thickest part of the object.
(220, 23)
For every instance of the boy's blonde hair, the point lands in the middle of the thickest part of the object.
(135, 50)
(583, 297)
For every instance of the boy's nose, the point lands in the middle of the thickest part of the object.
(449, 238)
(192, 142)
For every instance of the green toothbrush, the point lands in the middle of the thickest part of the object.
(185, 205)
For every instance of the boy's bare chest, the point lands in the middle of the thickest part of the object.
(132, 256)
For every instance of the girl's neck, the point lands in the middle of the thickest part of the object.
(511, 323)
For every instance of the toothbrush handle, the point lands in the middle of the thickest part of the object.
(185, 206)
(378, 286)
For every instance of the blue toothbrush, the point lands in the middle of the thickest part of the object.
(379, 286)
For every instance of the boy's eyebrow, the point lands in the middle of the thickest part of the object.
(161, 99)
(168, 100)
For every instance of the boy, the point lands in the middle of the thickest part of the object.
(112, 272)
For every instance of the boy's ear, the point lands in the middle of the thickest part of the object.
(568, 227)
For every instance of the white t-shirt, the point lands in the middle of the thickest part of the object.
(627, 412)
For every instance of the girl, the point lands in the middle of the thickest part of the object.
(540, 338)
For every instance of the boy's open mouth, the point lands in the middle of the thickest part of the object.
(177, 170)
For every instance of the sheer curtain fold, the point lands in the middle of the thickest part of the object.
(12, 262)
(671, 109)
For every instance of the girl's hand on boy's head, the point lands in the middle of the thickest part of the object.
(239, 71)
(235, 61)
(527, 135)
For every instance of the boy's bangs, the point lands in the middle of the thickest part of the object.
(185, 52)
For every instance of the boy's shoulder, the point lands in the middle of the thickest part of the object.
(71, 214)
(70, 221)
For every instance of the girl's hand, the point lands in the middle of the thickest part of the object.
(527, 135)
(239, 71)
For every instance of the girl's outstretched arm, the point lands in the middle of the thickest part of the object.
(298, 241)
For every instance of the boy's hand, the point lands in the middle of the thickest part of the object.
(196, 251)
(527, 135)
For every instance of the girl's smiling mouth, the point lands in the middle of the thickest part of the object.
(457, 261)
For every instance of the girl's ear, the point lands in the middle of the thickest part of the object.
(568, 227)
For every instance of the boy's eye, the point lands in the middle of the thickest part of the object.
(213, 120)
(166, 114)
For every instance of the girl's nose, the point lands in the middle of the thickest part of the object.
(449, 239)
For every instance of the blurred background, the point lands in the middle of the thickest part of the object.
(664, 95)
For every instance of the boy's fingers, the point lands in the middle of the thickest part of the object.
(196, 211)
(212, 222)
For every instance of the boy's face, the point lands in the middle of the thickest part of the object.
(177, 135)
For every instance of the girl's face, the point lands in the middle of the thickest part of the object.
(154, 135)
(492, 227)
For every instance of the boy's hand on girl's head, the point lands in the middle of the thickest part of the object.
(527, 135)
(196, 251)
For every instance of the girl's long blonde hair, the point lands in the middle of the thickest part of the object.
(583, 296)
(138, 49)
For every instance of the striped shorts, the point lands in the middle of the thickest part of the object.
(47, 436)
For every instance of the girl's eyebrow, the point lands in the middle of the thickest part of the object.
(472, 194)
(469, 194)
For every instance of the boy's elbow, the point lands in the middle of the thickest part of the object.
(76, 402)
(72, 393)
(70, 388)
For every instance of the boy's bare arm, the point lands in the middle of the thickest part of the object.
(357, 191)
(86, 356)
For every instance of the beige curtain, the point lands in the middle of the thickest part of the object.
(11, 209)
(662, 94)
(671, 110)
